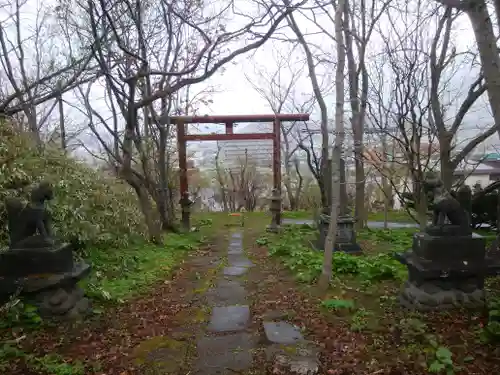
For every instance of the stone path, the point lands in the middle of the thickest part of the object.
(228, 345)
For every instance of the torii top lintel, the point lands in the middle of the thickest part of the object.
(223, 119)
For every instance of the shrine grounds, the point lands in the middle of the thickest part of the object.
(155, 311)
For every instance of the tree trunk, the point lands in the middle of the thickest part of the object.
(387, 190)
(359, 206)
(162, 195)
(289, 193)
(154, 229)
(326, 274)
(446, 172)
(488, 51)
(311, 68)
(167, 218)
(62, 126)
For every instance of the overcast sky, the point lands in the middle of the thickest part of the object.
(234, 94)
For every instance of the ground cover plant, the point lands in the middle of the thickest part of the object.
(98, 214)
(119, 279)
(90, 207)
(144, 290)
(363, 299)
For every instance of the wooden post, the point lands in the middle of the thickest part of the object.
(183, 138)
(277, 164)
(183, 178)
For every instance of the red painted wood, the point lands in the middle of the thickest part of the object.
(228, 137)
(237, 118)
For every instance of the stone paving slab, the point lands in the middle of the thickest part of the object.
(298, 359)
(229, 318)
(239, 261)
(235, 251)
(282, 333)
(225, 355)
(226, 292)
(236, 244)
(235, 271)
(237, 235)
(161, 354)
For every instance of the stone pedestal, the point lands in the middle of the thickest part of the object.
(47, 279)
(445, 272)
(23, 262)
(58, 295)
(346, 235)
(275, 208)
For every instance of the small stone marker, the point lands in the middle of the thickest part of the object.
(235, 271)
(229, 318)
(282, 333)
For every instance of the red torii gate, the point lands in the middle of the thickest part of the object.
(229, 121)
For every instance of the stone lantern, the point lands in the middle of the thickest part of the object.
(345, 239)
(275, 208)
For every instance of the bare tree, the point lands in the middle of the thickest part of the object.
(319, 97)
(278, 89)
(139, 85)
(326, 273)
(444, 58)
(360, 19)
(405, 67)
(34, 76)
(423, 61)
(241, 183)
(479, 16)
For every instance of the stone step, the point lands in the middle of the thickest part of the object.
(294, 360)
(282, 332)
(235, 271)
(225, 355)
(229, 318)
(239, 261)
(287, 350)
(235, 244)
(226, 292)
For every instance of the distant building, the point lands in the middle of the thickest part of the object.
(257, 152)
(486, 171)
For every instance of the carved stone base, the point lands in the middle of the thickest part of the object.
(24, 262)
(437, 295)
(62, 303)
(56, 296)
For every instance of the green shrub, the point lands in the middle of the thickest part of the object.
(88, 208)
(306, 263)
(119, 275)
